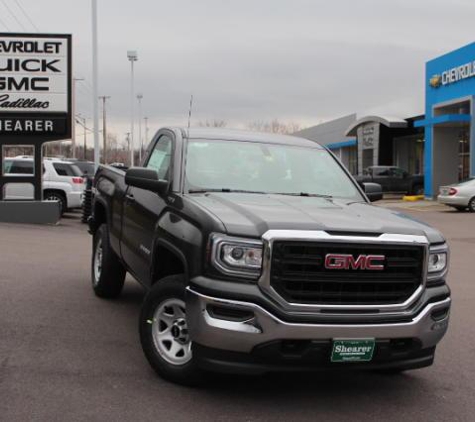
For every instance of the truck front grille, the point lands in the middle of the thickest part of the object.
(298, 273)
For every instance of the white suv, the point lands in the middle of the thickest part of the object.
(62, 181)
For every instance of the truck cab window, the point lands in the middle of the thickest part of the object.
(380, 171)
(397, 172)
(160, 158)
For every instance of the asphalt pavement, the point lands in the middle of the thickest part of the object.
(66, 355)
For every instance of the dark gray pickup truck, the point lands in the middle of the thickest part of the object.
(393, 179)
(261, 253)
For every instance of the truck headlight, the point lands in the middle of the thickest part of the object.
(236, 256)
(437, 262)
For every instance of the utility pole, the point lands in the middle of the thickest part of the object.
(73, 126)
(104, 128)
(132, 56)
(85, 140)
(139, 98)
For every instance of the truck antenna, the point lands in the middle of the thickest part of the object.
(189, 114)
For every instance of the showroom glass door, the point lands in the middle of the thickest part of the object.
(464, 154)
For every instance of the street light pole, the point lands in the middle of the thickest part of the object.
(104, 128)
(127, 134)
(132, 56)
(146, 128)
(95, 88)
(84, 125)
(139, 97)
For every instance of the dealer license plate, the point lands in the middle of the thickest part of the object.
(356, 350)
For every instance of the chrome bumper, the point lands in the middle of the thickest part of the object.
(263, 327)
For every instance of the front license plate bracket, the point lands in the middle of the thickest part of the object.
(353, 350)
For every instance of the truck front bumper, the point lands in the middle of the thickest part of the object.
(238, 336)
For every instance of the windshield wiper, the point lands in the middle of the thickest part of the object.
(313, 195)
(225, 190)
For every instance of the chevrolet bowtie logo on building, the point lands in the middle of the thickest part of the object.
(435, 81)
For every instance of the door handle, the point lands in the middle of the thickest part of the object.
(129, 198)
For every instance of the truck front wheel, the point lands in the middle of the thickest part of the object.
(164, 332)
(107, 272)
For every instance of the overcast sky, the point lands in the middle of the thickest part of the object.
(304, 61)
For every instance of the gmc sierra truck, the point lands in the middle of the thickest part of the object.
(261, 253)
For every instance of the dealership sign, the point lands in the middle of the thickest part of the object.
(35, 85)
(453, 75)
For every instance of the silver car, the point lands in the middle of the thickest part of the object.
(461, 196)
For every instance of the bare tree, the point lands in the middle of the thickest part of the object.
(274, 126)
(213, 123)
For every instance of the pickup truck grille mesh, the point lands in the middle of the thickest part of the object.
(298, 273)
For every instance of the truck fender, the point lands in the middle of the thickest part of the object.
(161, 243)
(180, 237)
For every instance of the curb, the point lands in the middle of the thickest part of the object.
(413, 198)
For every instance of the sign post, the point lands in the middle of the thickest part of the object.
(35, 107)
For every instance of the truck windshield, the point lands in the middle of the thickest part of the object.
(265, 168)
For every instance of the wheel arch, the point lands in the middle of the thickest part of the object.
(58, 192)
(167, 260)
(98, 216)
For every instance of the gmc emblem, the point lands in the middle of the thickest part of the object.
(335, 261)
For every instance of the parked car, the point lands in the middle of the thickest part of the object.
(394, 179)
(62, 181)
(260, 253)
(460, 196)
(86, 167)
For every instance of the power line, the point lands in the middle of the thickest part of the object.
(85, 127)
(13, 15)
(5, 25)
(88, 85)
(26, 15)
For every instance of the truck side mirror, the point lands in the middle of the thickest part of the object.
(373, 191)
(147, 179)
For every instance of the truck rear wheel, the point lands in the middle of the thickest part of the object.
(107, 272)
(164, 332)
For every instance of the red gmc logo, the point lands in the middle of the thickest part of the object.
(335, 261)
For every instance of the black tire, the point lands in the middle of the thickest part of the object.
(57, 196)
(471, 205)
(108, 279)
(165, 291)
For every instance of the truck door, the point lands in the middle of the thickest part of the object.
(381, 176)
(399, 180)
(141, 212)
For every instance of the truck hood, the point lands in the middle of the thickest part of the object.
(251, 215)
